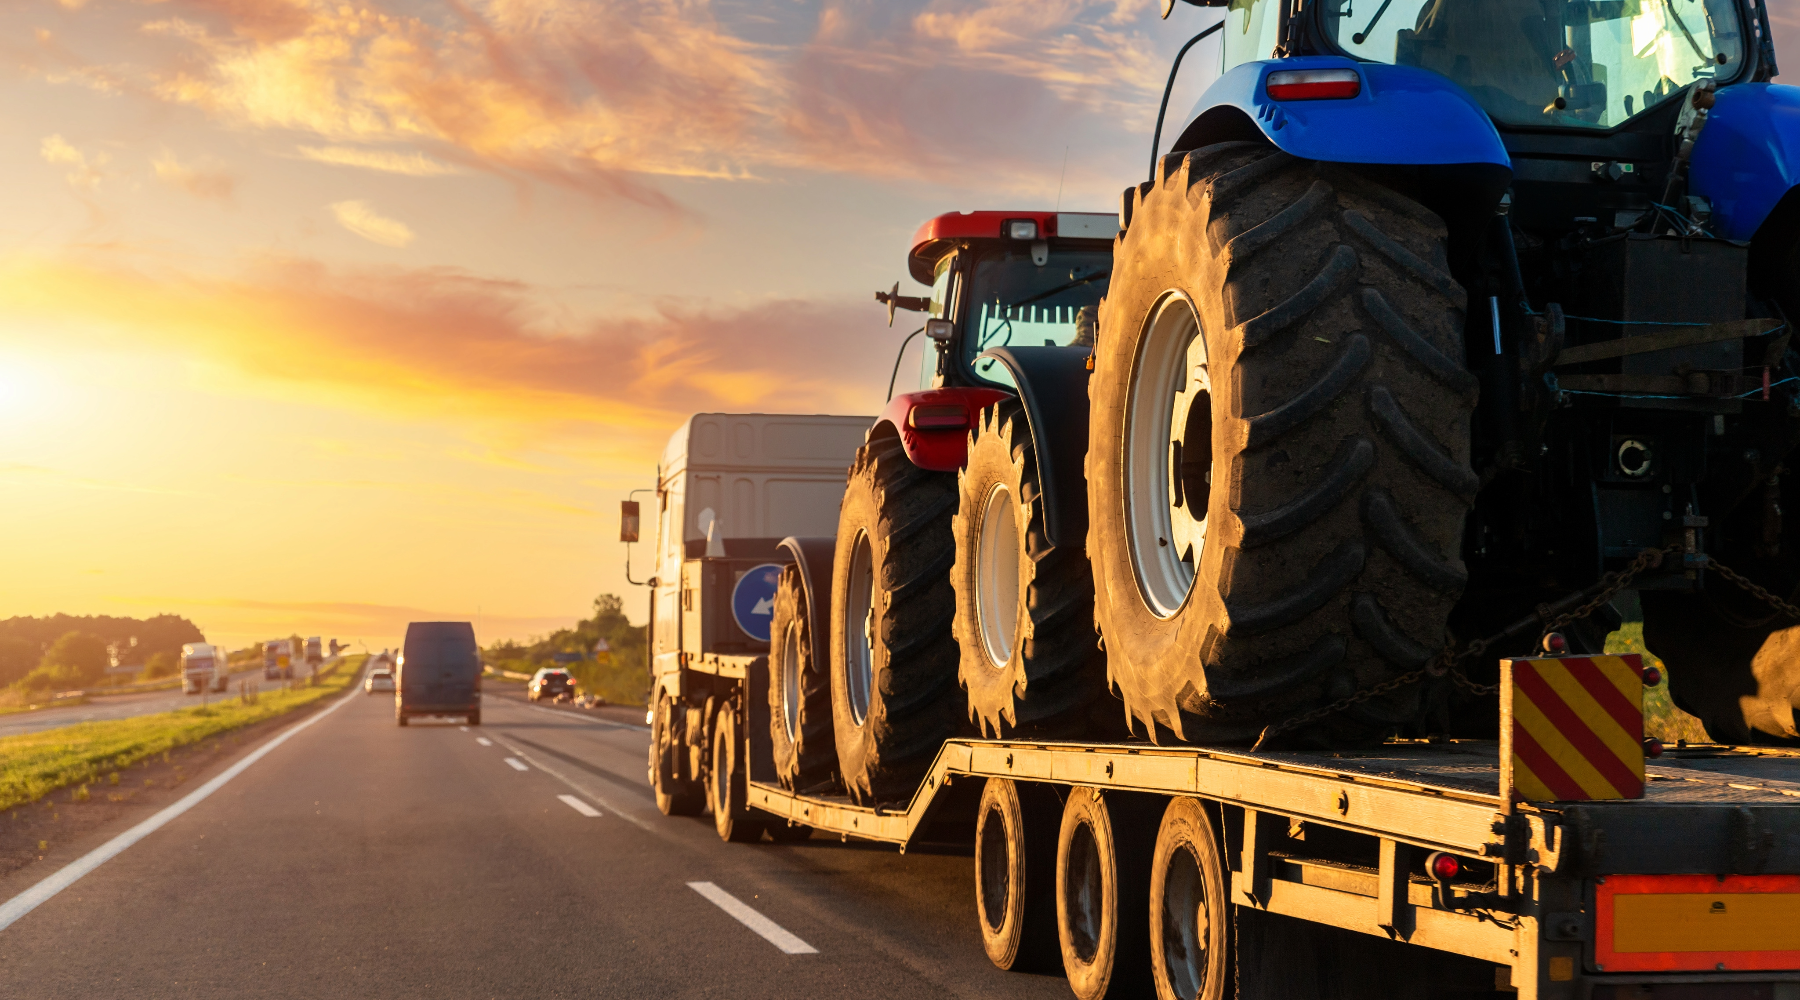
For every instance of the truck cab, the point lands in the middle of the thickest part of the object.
(203, 668)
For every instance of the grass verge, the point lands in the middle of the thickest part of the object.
(36, 764)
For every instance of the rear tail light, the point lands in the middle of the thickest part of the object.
(1313, 84)
(938, 417)
(1443, 867)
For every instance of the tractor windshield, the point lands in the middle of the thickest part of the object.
(1016, 302)
(1577, 63)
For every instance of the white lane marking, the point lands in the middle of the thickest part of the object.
(579, 806)
(463, 728)
(40, 893)
(484, 741)
(513, 762)
(604, 804)
(771, 931)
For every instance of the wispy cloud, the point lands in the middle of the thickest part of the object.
(84, 174)
(362, 220)
(203, 178)
(387, 161)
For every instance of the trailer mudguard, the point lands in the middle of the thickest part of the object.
(1052, 385)
(814, 556)
(1748, 155)
(1402, 115)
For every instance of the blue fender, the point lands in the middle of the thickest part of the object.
(1403, 115)
(1747, 156)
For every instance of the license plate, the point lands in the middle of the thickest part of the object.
(1694, 923)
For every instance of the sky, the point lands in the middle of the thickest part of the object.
(322, 318)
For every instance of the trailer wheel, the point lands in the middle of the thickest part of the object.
(1024, 608)
(676, 795)
(1278, 461)
(727, 784)
(800, 731)
(1015, 874)
(1190, 912)
(894, 697)
(1102, 899)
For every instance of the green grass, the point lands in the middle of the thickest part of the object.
(1661, 718)
(36, 764)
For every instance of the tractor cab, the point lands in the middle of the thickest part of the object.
(1005, 279)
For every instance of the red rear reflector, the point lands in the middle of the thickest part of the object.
(1445, 866)
(1313, 84)
(938, 417)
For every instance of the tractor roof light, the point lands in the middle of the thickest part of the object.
(1021, 229)
(1313, 84)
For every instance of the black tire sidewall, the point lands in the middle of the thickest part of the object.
(1187, 827)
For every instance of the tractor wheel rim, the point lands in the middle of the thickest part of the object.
(997, 572)
(1186, 923)
(790, 680)
(1168, 456)
(859, 626)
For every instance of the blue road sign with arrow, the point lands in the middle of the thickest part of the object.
(753, 600)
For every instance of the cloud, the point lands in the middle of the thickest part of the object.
(412, 165)
(360, 219)
(204, 178)
(84, 175)
(491, 358)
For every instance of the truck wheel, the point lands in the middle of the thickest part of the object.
(1015, 874)
(894, 697)
(1298, 530)
(1102, 903)
(726, 783)
(1190, 912)
(800, 731)
(676, 795)
(1024, 608)
(474, 718)
(400, 718)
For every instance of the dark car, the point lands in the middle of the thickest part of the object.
(553, 683)
(439, 672)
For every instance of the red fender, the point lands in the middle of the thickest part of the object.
(934, 424)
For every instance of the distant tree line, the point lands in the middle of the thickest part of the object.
(618, 673)
(68, 651)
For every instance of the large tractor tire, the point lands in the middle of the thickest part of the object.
(1024, 608)
(1734, 668)
(894, 698)
(801, 737)
(1278, 465)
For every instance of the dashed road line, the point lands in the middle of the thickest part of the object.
(579, 806)
(771, 931)
(484, 741)
(604, 804)
(516, 764)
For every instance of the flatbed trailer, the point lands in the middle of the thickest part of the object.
(1532, 896)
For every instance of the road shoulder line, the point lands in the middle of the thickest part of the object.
(69, 874)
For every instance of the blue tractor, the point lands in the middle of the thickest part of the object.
(1433, 314)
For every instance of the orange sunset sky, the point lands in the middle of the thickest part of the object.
(324, 317)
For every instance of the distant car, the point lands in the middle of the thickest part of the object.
(379, 680)
(551, 683)
(439, 672)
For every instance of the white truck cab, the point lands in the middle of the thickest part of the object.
(204, 668)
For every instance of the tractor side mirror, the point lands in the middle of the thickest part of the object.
(628, 520)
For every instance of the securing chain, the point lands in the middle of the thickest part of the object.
(1770, 599)
(1449, 661)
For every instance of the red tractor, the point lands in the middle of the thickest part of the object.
(874, 630)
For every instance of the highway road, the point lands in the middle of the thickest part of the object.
(124, 706)
(521, 858)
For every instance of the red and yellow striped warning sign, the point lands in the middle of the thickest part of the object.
(1572, 728)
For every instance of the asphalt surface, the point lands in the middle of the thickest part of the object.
(121, 706)
(361, 859)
